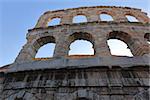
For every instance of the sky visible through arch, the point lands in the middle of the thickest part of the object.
(17, 16)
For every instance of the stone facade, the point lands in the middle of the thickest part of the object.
(101, 76)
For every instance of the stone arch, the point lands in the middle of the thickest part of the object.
(54, 21)
(125, 37)
(42, 41)
(110, 17)
(118, 48)
(132, 15)
(107, 12)
(49, 19)
(74, 14)
(80, 36)
(83, 17)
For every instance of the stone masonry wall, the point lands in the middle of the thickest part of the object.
(101, 76)
(92, 14)
(96, 32)
(70, 84)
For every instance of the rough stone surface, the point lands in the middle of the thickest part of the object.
(101, 76)
(94, 83)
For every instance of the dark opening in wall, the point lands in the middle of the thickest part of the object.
(131, 18)
(81, 43)
(83, 98)
(19, 99)
(147, 37)
(118, 47)
(44, 47)
(120, 43)
(106, 17)
(54, 21)
(79, 19)
(46, 51)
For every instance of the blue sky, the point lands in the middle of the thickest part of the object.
(17, 16)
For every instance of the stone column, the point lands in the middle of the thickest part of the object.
(139, 48)
(93, 18)
(120, 17)
(101, 47)
(66, 20)
(61, 48)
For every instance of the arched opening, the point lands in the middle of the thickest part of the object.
(147, 37)
(81, 44)
(118, 47)
(131, 18)
(106, 17)
(46, 51)
(54, 21)
(44, 47)
(79, 19)
(81, 47)
(120, 43)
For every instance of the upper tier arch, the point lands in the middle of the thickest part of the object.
(92, 14)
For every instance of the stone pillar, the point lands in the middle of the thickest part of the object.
(62, 48)
(93, 17)
(26, 54)
(26, 78)
(139, 48)
(101, 47)
(120, 17)
(66, 20)
(37, 81)
(142, 49)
